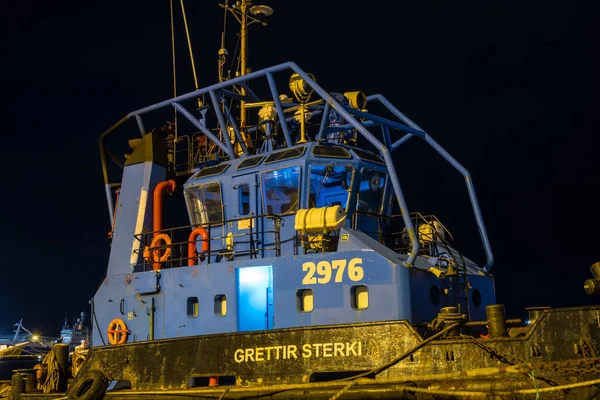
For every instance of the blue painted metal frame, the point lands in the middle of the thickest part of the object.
(410, 128)
(469, 182)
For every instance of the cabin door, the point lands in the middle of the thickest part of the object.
(243, 237)
(255, 297)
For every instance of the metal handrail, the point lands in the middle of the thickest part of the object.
(180, 257)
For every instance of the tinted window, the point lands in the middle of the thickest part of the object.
(250, 162)
(368, 156)
(329, 185)
(370, 193)
(281, 190)
(330, 151)
(285, 155)
(205, 203)
(209, 171)
(244, 196)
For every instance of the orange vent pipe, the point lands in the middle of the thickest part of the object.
(168, 186)
(192, 244)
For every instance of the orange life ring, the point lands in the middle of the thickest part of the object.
(156, 257)
(117, 331)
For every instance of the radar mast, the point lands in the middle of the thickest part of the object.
(246, 14)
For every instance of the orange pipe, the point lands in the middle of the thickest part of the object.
(159, 190)
(168, 186)
(192, 244)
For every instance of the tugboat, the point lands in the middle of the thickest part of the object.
(300, 272)
(77, 337)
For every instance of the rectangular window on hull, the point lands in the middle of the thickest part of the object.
(220, 305)
(244, 196)
(305, 301)
(192, 307)
(206, 203)
(281, 190)
(359, 297)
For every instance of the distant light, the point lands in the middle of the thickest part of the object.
(35, 338)
(528, 322)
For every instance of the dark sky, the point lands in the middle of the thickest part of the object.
(509, 88)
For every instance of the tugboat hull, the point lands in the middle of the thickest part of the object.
(365, 360)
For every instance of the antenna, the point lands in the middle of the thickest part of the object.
(189, 42)
(257, 14)
(174, 64)
(261, 11)
(243, 57)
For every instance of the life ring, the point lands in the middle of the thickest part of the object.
(156, 257)
(117, 331)
(90, 386)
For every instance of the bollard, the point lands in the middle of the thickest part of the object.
(496, 320)
(29, 376)
(448, 316)
(61, 352)
(17, 385)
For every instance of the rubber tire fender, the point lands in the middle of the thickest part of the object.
(89, 386)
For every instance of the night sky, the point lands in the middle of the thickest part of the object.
(509, 88)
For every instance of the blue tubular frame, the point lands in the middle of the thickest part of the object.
(226, 149)
(280, 113)
(342, 111)
(221, 119)
(321, 134)
(236, 129)
(453, 162)
(347, 113)
(216, 102)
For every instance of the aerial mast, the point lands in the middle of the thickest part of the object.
(243, 56)
(246, 14)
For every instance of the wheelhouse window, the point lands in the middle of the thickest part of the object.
(370, 194)
(244, 199)
(205, 203)
(281, 190)
(329, 185)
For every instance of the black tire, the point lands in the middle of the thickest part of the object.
(89, 386)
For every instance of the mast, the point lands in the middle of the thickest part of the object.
(20, 326)
(243, 56)
(246, 14)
